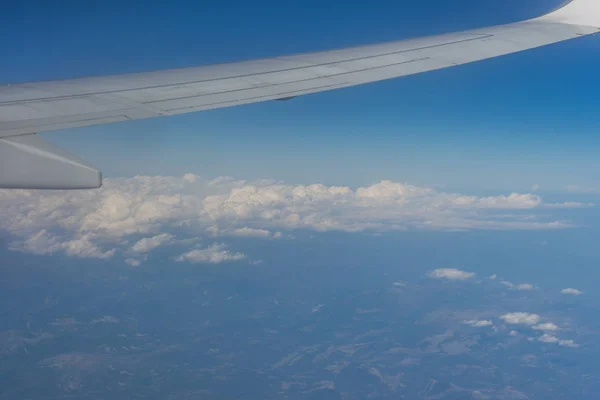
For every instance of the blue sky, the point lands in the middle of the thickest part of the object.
(503, 124)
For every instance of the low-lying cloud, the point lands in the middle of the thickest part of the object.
(451, 274)
(522, 318)
(215, 254)
(548, 326)
(574, 292)
(518, 286)
(478, 323)
(147, 244)
(547, 338)
(135, 216)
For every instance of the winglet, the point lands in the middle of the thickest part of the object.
(29, 162)
(577, 12)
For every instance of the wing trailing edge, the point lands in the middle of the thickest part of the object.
(28, 161)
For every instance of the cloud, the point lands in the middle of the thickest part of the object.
(317, 308)
(569, 204)
(478, 323)
(567, 343)
(451, 274)
(493, 277)
(548, 326)
(575, 292)
(251, 232)
(137, 215)
(525, 286)
(146, 244)
(521, 318)
(513, 333)
(43, 242)
(133, 262)
(520, 286)
(547, 338)
(535, 188)
(107, 319)
(214, 254)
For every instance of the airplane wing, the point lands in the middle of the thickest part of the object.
(27, 161)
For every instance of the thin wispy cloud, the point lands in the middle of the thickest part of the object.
(569, 204)
(478, 323)
(251, 232)
(574, 292)
(519, 286)
(214, 254)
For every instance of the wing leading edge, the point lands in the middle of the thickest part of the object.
(30, 108)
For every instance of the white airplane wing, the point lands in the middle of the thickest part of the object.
(27, 161)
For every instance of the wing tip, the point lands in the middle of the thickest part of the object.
(577, 12)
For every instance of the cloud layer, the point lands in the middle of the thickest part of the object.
(134, 216)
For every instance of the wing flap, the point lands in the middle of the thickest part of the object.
(28, 161)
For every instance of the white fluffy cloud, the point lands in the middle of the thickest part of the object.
(137, 215)
(547, 338)
(43, 242)
(451, 274)
(521, 318)
(147, 244)
(575, 292)
(519, 286)
(548, 326)
(215, 254)
(478, 323)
